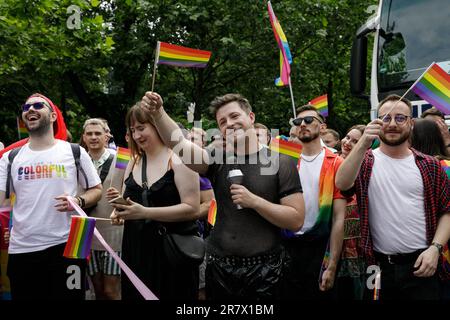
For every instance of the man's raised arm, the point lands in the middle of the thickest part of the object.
(192, 155)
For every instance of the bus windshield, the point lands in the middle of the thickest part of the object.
(413, 34)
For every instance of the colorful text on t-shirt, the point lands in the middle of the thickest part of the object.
(41, 171)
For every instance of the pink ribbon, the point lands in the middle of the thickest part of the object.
(140, 286)
(5, 209)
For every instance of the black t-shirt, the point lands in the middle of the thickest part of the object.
(269, 175)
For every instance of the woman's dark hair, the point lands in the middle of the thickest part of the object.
(427, 138)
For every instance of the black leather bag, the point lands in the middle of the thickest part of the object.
(183, 249)
(186, 249)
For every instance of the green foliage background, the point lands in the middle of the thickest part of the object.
(104, 67)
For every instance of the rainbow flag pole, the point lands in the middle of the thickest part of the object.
(285, 54)
(155, 66)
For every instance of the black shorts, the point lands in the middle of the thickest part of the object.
(253, 278)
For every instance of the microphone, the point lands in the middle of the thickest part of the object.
(236, 177)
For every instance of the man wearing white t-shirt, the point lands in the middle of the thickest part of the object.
(404, 202)
(43, 174)
(312, 276)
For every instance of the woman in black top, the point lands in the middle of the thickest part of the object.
(164, 196)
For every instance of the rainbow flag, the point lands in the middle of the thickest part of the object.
(212, 212)
(179, 56)
(286, 147)
(285, 52)
(122, 158)
(434, 87)
(21, 129)
(321, 104)
(80, 238)
(445, 164)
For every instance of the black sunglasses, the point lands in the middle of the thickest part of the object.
(36, 106)
(307, 119)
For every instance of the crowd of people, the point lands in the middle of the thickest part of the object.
(311, 227)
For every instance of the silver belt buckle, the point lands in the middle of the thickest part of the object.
(389, 259)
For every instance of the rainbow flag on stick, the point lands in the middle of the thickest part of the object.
(80, 238)
(21, 129)
(179, 56)
(321, 104)
(285, 52)
(434, 87)
(212, 212)
(286, 147)
(123, 156)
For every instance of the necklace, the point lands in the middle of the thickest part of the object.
(312, 158)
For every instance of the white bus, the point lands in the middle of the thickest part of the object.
(409, 36)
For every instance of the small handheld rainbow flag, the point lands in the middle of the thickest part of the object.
(321, 104)
(212, 212)
(434, 87)
(286, 147)
(122, 158)
(80, 238)
(179, 56)
(21, 129)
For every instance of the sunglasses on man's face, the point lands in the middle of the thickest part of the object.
(36, 106)
(307, 119)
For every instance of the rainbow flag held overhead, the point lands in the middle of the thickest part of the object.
(321, 104)
(21, 129)
(286, 147)
(434, 87)
(80, 238)
(122, 158)
(285, 52)
(212, 212)
(179, 56)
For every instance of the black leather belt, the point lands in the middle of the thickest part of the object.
(400, 258)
